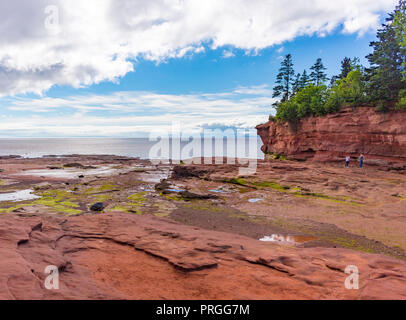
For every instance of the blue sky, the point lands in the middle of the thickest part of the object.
(211, 72)
(146, 66)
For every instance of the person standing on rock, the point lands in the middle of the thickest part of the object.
(361, 160)
(347, 161)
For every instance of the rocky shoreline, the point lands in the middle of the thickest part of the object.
(193, 231)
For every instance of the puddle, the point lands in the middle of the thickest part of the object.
(287, 239)
(221, 189)
(72, 173)
(255, 200)
(147, 189)
(154, 176)
(21, 195)
(176, 190)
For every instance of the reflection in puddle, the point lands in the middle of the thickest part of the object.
(21, 195)
(176, 190)
(154, 176)
(255, 200)
(287, 239)
(221, 189)
(71, 173)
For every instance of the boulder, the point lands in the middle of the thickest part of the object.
(99, 206)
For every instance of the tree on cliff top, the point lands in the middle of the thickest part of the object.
(304, 79)
(318, 76)
(387, 60)
(346, 68)
(400, 30)
(284, 79)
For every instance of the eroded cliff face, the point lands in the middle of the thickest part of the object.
(380, 137)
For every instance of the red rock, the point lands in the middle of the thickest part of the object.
(380, 137)
(124, 256)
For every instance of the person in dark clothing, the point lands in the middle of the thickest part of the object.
(361, 160)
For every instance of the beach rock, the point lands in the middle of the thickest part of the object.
(182, 172)
(163, 186)
(126, 256)
(381, 137)
(78, 166)
(187, 195)
(99, 206)
(42, 186)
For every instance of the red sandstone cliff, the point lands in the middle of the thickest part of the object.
(380, 137)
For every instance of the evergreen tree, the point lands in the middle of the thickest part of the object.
(318, 76)
(387, 62)
(304, 79)
(284, 80)
(333, 80)
(296, 84)
(400, 30)
(346, 68)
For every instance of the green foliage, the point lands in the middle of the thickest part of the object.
(382, 107)
(311, 100)
(287, 111)
(307, 102)
(399, 25)
(387, 62)
(350, 90)
(319, 100)
(401, 105)
(383, 84)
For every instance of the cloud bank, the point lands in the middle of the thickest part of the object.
(133, 113)
(79, 43)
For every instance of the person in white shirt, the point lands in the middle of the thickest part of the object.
(347, 161)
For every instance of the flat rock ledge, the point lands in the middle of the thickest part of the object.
(125, 256)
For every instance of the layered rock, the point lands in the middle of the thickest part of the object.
(381, 137)
(125, 256)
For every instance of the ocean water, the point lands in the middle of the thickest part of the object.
(131, 147)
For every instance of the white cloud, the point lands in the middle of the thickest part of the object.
(127, 113)
(99, 38)
(228, 54)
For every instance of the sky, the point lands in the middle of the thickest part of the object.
(129, 68)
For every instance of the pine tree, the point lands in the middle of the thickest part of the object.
(296, 84)
(304, 79)
(318, 76)
(284, 79)
(346, 68)
(385, 74)
(400, 30)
